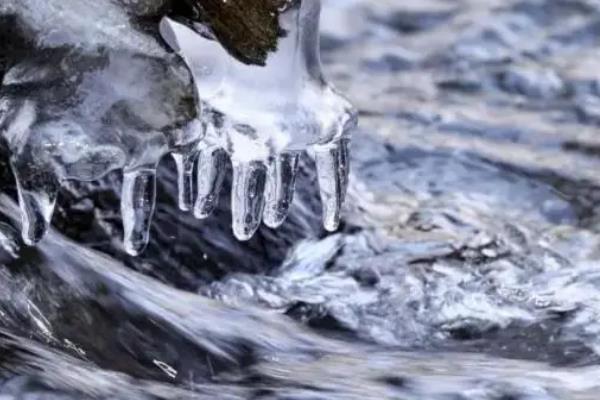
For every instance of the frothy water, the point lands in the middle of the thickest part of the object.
(466, 266)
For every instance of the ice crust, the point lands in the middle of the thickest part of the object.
(96, 89)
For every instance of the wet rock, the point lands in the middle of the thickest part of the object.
(249, 30)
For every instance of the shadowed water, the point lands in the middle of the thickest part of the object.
(466, 266)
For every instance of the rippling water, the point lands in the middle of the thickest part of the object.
(467, 266)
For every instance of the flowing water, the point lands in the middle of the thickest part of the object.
(466, 265)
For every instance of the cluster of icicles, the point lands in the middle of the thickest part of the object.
(261, 118)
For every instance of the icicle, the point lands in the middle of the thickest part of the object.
(137, 208)
(248, 200)
(37, 198)
(185, 178)
(272, 109)
(345, 166)
(211, 172)
(280, 189)
(332, 181)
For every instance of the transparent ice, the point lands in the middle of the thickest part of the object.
(263, 118)
(94, 89)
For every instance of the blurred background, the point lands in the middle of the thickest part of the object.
(467, 266)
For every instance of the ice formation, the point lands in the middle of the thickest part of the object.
(263, 117)
(90, 89)
(93, 88)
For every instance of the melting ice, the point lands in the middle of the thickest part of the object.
(93, 89)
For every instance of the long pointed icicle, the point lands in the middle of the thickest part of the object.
(138, 201)
(280, 189)
(185, 179)
(248, 198)
(37, 200)
(211, 173)
(332, 181)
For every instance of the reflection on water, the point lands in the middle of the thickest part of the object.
(466, 267)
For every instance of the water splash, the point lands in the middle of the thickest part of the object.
(263, 117)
